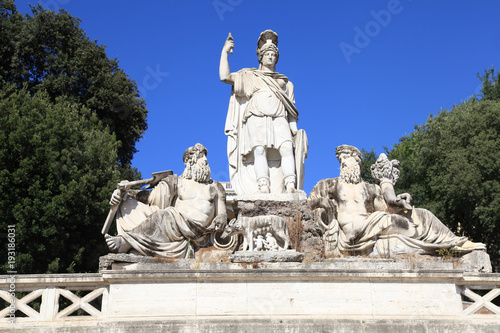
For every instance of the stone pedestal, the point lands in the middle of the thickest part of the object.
(298, 195)
(305, 235)
(266, 256)
(476, 261)
(341, 295)
(366, 289)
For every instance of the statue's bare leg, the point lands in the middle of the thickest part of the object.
(261, 168)
(288, 165)
(117, 244)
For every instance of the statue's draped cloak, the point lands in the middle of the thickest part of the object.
(258, 115)
(157, 228)
(378, 231)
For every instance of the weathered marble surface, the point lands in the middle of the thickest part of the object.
(475, 261)
(260, 233)
(266, 256)
(294, 196)
(368, 219)
(365, 288)
(305, 235)
(266, 151)
(346, 294)
(176, 217)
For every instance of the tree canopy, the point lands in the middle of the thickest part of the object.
(48, 51)
(450, 165)
(70, 120)
(490, 90)
(369, 157)
(56, 172)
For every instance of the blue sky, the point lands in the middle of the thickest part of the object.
(365, 72)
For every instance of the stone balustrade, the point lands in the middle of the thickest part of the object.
(472, 286)
(201, 292)
(38, 297)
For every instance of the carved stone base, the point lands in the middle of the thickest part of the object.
(106, 262)
(338, 295)
(295, 196)
(128, 261)
(305, 235)
(476, 261)
(266, 256)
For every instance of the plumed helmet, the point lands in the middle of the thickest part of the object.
(268, 40)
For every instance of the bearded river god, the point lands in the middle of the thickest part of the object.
(370, 219)
(175, 217)
(266, 151)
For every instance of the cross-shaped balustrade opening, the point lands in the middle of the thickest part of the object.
(481, 300)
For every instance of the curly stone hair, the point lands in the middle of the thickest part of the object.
(192, 153)
(353, 151)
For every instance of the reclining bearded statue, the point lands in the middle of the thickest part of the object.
(177, 215)
(359, 218)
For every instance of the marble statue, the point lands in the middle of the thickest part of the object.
(271, 244)
(259, 243)
(252, 227)
(370, 219)
(266, 151)
(177, 215)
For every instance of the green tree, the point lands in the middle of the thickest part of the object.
(48, 51)
(369, 158)
(413, 171)
(450, 166)
(57, 169)
(490, 90)
(70, 120)
(10, 23)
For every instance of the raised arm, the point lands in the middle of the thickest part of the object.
(224, 72)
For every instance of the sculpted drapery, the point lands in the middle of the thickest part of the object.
(370, 219)
(157, 228)
(178, 216)
(266, 151)
(258, 114)
(378, 234)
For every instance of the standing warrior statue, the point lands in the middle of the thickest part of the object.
(266, 152)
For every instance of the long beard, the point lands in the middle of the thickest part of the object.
(350, 172)
(200, 172)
